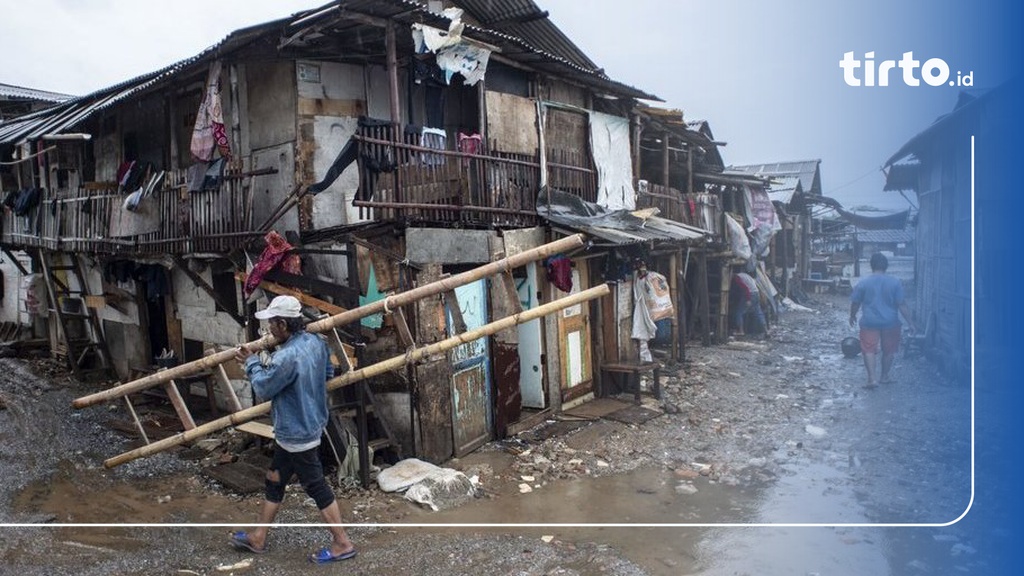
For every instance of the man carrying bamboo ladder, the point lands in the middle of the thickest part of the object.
(295, 383)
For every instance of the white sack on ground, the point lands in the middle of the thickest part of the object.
(404, 474)
(442, 489)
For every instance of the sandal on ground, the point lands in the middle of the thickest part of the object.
(240, 540)
(324, 556)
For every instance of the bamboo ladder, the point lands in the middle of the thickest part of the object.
(388, 304)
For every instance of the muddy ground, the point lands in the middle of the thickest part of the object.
(748, 433)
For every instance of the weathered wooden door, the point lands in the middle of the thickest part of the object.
(471, 389)
(531, 374)
(574, 344)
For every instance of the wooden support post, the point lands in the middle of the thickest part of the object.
(723, 301)
(178, 402)
(673, 286)
(17, 263)
(201, 284)
(364, 373)
(451, 301)
(229, 392)
(404, 334)
(135, 418)
(387, 304)
(705, 299)
(299, 295)
(508, 283)
(392, 64)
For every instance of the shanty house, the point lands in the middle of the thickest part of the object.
(795, 188)
(386, 143)
(938, 165)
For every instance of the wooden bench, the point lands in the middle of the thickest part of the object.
(632, 371)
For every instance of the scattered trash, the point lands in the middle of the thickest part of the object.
(163, 499)
(686, 489)
(443, 488)
(525, 488)
(243, 565)
(527, 478)
(547, 539)
(404, 474)
(815, 431)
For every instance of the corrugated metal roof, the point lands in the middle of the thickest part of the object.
(562, 57)
(783, 189)
(902, 177)
(903, 236)
(571, 63)
(70, 113)
(806, 170)
(968, 102)
(525, 19)
(21, 93)
(618, 227)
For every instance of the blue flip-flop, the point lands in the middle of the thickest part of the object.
(241, 541)
(324, 556)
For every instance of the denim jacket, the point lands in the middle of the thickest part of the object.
(294, 383)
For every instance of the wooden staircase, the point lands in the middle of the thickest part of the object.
(87, 353)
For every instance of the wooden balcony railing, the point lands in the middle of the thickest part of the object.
(697, 209)
(404, 180)
(169, 221)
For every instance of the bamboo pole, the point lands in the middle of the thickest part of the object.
(386, 305)
(377, 369)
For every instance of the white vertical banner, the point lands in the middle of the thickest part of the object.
(609, 141)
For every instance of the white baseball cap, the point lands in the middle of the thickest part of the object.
(281, 307)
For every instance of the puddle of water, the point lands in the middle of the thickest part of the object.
(808, 493)
(90, 496)
(641, 497)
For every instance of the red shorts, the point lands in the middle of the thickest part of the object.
(889, 337)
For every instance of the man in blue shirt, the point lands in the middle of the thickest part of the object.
(880, 299)
(295, 383)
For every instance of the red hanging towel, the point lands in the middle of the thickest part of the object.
(560, 272)
(274, 254)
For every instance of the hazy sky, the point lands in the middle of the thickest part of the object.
(765, 75)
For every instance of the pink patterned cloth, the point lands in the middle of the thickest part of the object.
(275, 254)
(209, 132)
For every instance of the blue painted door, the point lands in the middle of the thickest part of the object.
(531, 374)
(471, 386)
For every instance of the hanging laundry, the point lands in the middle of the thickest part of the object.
(10, 198)
(214, 174)
(559, 269)
(195, 175)
(348, 155)
(276, 253)
(437, 139)
(209, 132)
(471, 143)
(27, 200)
(470, 61)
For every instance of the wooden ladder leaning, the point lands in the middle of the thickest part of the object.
(86, 355)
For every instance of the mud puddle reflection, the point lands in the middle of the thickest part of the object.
(75, 495)
(806, 493)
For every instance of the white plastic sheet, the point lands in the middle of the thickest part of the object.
(609, 140)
